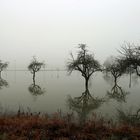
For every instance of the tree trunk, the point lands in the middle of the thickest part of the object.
(115, 80)
(130, 80)
(34, 77)
(86, 83)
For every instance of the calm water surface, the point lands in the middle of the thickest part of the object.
(57, 85)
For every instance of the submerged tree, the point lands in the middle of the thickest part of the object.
(130, 55)
(115, 68)
(84, 63)
(3, 66)
(35, 66)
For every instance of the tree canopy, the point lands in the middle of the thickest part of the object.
(3, 65)
(114, 67)
(130, 54)
(35, 66)
(85, 63)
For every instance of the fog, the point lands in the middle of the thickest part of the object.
(51, 29)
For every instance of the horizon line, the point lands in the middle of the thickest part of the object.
(39, 70)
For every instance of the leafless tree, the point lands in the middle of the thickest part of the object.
(85, 63)
(114, 67)
(130, 54)
(3, 66)
(35, 66)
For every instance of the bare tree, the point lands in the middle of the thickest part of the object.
(35, 66)
(130, 54)
(114, 67)
(3, 66)
(84, 63)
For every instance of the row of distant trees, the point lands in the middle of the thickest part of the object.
(128, 62)
(33, 67)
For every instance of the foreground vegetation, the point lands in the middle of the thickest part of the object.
(28, 126)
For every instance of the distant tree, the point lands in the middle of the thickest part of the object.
(84, 63)
(35, 66)
(130, 55)
(114, 67)
(3, 66)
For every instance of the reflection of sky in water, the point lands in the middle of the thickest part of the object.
(58, 85)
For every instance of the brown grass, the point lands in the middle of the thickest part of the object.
(40, 127)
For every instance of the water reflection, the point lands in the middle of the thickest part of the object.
(84, 104)
(35, 89)
(130, 116)
(117, 93)
(3, 83)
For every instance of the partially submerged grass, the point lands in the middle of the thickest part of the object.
(128, 117)
(28, 126)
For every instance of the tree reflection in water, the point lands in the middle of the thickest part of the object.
(35, 89)
(114, 68)
(117, 93)
(86, 64)
(84, 104)
(3, 83)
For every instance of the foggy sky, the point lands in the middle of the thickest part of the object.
(51, 29)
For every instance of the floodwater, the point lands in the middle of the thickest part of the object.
(51, 89)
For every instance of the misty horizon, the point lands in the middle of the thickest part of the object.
(69, 69)
(50, 29)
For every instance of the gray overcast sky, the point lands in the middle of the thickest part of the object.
(50, 29)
